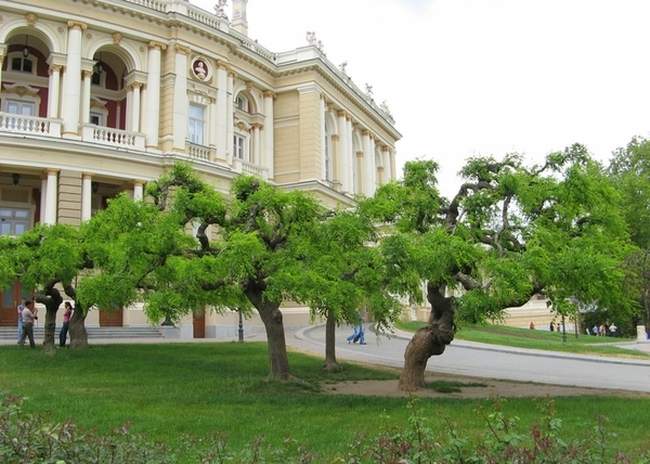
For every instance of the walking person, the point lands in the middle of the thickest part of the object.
(358, 335)
(63, 335)
(29, 316)
(19, 310)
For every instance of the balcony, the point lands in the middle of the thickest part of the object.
(245, 167)
(30, 125)
(201, 152)
(113, 137)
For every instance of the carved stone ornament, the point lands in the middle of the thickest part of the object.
(201, 69)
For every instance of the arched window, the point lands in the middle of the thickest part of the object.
(241, 102)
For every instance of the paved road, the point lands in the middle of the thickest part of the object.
(489, 361)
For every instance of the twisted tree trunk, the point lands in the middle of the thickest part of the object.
(272, 318)
(331, 365)
(52, 299)
(78, 333)
(430, 340)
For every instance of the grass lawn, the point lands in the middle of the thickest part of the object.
(201, 389)
(539, 340)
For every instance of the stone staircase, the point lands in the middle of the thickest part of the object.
(103, 333)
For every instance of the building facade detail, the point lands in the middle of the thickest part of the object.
(96, 101)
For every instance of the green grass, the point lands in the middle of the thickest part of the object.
(168, 390)
(539, 340)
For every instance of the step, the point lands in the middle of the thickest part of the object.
(10, 333)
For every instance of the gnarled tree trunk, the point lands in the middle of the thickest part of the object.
(430, 340)
(78, 333)
(272, 318)
(330, 343)
(52, 300)
(77, 327)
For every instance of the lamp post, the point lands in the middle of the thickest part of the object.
(241, 327)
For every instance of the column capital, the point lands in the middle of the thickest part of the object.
(55, 68)
(182, 49)
(52, 171)
(86, 175)
(80, 25)
(335, 137)
(231, 73)
(365, 132)
(86, 73)
(341, 114)
(269, 94)
(257, 125)
(159, 45)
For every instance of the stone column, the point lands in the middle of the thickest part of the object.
(372, 169)
(388, 168)
(213, 136)
(323, 134)
(179, 118)
(54, 86)
(256, 158)
(138, 191)
(268, 158)
(151, 119)
(41, 218)
(350, 155)
(222, 112)
(230, 116)
(342, 151)
(72, 80)
(51, 197)
(3, 54)
(368, 163)
(85, 97)
(135, 107)
(86, 197)
(393, 168)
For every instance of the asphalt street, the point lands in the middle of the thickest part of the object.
(490, 361)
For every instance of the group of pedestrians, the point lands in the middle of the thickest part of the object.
(603, 330)
(28, 314)
(358, 334)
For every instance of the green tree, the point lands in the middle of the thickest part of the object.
(46, 259)
(242, 254)
(510, 232)
(344, 273)
(630, 172)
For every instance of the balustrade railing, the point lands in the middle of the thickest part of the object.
(200, 152)
(158, 5)
(254, 169)
(205, 17)
(30, 125)
(113, 137)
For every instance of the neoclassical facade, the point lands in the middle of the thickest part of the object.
(98, 97)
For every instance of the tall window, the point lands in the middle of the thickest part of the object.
(239, 150)
(196, 124)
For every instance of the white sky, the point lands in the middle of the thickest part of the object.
(469, 77)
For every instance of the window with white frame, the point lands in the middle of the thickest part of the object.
(26, 64)
(14, 221)
(97, 118)
(196, 124)
(239, 147)
(21, 107)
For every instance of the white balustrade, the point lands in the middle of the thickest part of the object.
(205, 17)
(30, 125)
(200, 152)
(113, 137)
(245, 167)
(158, 5)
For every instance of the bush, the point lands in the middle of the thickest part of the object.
(503, 442)
(26, 439)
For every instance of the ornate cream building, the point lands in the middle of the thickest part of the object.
(99, 97)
